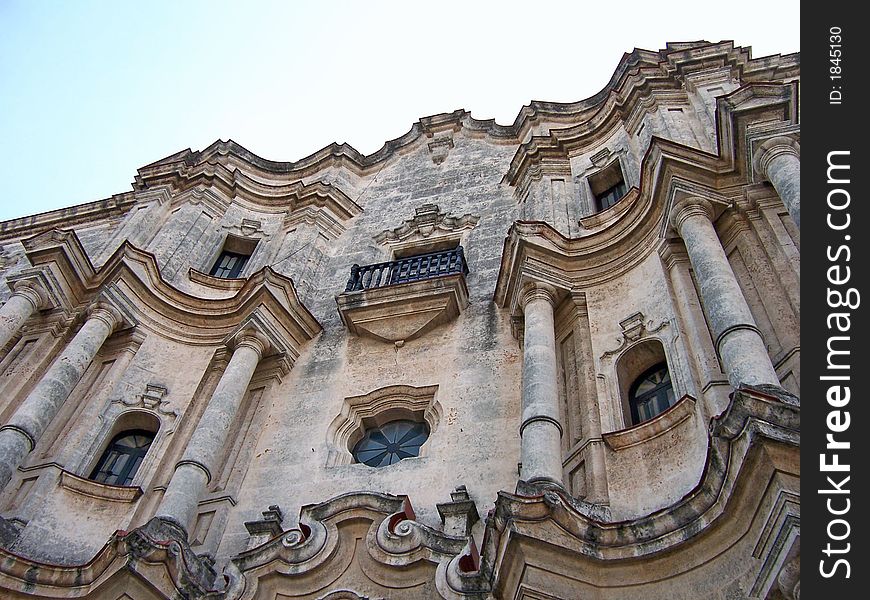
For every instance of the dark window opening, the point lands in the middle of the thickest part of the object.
(390, 443)
(123, 457)
(610, 196)
(651, 394)
(234, 256)
(229, 265)
(608, 186)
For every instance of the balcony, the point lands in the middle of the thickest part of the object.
(404, 270)
(402, 299)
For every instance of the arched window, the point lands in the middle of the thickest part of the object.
(390, 443)
(651, 394)
(122, 457)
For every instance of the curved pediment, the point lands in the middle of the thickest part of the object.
(400, 557)
(622, 236)
(131, 280)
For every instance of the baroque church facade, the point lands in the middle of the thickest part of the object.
(558, 359)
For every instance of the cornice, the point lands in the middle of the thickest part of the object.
(268, 195)
(751, 114)
(333, 155)
(639, 75)
(90, 212)
(638, 90)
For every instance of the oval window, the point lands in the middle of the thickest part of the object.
(390, 443)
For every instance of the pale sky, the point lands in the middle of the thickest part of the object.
(92, 90)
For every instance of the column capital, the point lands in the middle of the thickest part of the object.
(672, 253)
(581, 307)
(33, 292)
(253, 339)
(106, 313)
(773, 148)
(536, 291)
(689, 207)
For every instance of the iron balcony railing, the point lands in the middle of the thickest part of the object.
(403, 270)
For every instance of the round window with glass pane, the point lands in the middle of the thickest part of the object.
(651, 394)
(390, 443)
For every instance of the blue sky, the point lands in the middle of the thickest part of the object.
(92, 90)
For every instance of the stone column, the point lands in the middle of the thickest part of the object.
(21, 434)
(738, 340)
(590, 414)
(194, 471)
(26, 298)
(778, 160)
(540, 431)
(701, 358)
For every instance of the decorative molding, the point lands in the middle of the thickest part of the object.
(345, 595)
(250, 227)
(388, 403)
(130, 280)
(323, 220)
(634, 328)
(440, 147)
(222, 284)
(460, 514)
(213, 205)
(151, 400)
(266, 528)
(779, 539)
(113, 207)
(428, 221)
(600, 158)
(395, 543)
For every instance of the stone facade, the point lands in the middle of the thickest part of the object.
(652, 226)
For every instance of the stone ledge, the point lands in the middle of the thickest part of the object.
(612, 213)
(658, 425)
(218, 283)
(101, 491)
(402, 312)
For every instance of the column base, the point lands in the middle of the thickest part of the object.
(162, 536)
(774, 391)
(545, 487)
(538, 485)
(168, 527)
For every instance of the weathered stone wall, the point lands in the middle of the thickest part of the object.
(282, 448)
(474, 361)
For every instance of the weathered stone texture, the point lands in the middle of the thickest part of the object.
(249, 385)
